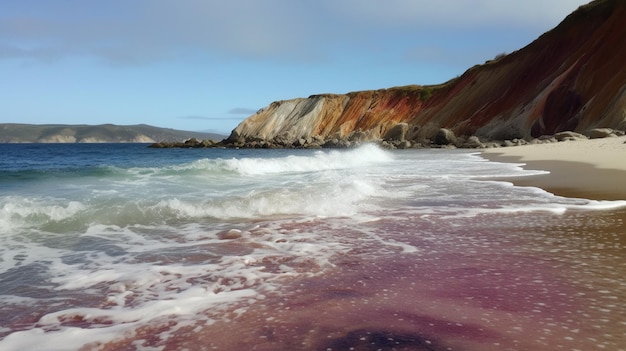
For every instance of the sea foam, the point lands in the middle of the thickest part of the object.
(320, 161)
(186, 243)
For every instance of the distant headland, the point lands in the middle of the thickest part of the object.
(103, 133)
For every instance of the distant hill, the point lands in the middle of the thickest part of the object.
(103, 133)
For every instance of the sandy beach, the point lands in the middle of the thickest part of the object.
(593, 169)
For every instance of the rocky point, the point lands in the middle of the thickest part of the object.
(572, 78)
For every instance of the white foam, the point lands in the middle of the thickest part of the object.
(336, 198)
(600, 205)
(290, 216)
(185, 303)
(18, 211)
(361, 157)
(143, 293)
(145, 285)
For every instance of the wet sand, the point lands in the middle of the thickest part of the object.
(528, 281)
(549, 282)
(523, 281)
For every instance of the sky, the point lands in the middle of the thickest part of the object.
(206, 65)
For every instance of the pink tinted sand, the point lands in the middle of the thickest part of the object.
(552, 282)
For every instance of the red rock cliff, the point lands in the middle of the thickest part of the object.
(571, 78)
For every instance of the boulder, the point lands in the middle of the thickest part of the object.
(397, 132)
(230, 234)
(473, 142)
(387, 145)
(598, 133)
(337, 143)
(357, 136)
(444, 137)
(405, 144)
(514, 142)
(547, 139)
(300, 142)
(568, 135)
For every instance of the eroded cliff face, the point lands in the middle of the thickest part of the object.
(571, 78)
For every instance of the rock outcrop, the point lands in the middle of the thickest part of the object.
(572, 78)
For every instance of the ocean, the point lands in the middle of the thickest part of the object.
(124, 247)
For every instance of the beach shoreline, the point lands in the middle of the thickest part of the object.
(592, 169)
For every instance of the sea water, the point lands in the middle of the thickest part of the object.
(124, 247)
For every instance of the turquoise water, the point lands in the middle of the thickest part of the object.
(100, 242)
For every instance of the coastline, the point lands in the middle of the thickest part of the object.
(589, 168)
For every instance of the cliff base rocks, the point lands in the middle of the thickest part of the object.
(444, 138)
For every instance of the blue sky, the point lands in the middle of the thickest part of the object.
(208, 64)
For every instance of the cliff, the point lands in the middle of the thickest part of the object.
(571, 78)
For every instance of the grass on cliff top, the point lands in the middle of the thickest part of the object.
(424, 91)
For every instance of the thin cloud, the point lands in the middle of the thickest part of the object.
(205, 118)
(241, 111)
